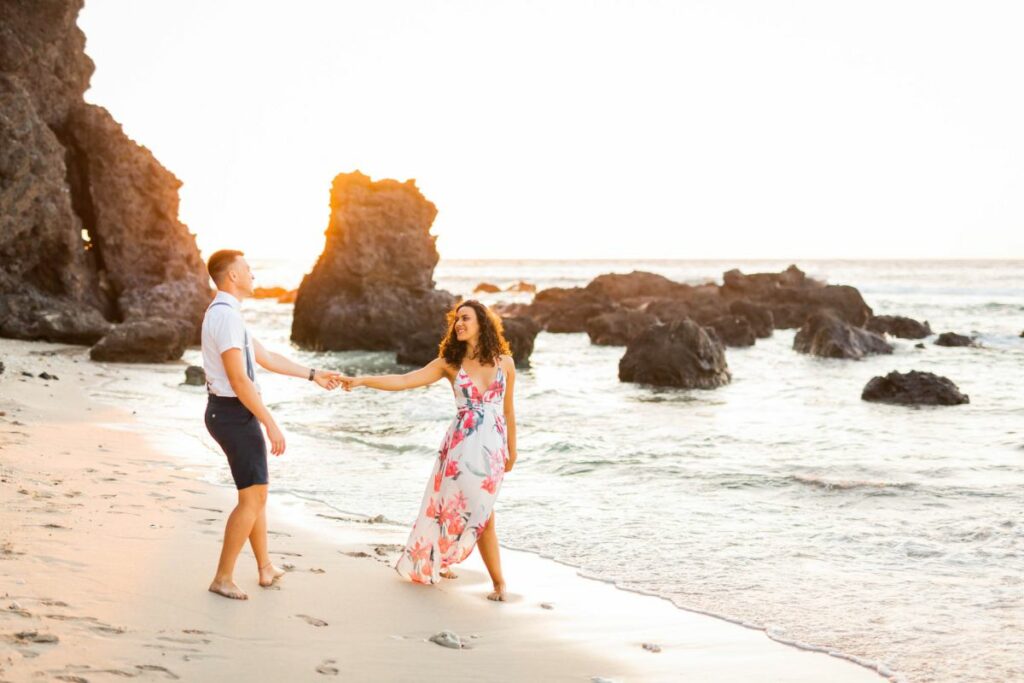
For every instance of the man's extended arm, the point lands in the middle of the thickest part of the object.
(275, 362)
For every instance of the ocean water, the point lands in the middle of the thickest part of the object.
(890, 535)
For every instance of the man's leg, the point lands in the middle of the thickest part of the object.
(258, 540)
(490, 553)
(251, 501)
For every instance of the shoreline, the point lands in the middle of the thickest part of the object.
(592, 629)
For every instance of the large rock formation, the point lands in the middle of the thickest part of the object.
(618, 327)
(899, 326)
(372, 287)
(677, 354)
(765, 300)
(827, 335)
(89, 234)
(914, 388)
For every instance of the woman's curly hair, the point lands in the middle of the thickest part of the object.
(490, 345)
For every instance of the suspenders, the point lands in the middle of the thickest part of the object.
(248, 359)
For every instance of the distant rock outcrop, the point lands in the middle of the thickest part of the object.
(899, 326)
(520, 332)
(373, 286)
(89, 230)
(618, 327)
(486, 288)
(733, 330)
(954, 339)
(765, 300)
(827, 335)
(677, 354)
(914, 388)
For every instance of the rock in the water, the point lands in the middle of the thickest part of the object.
(618, 327)
(195, 376)
(2, 368)
(46, 375)
(447, 639)
(760, 317)
(676, 354)
(899, 326)
(733, 330)
(638, 284)
(918, 346)
(154, 340)
(567, 309)
(527, 287)
(825, 334)
(270, 293)
(914, 388)
(419, 348)
(520, 332)
(89, 234)
(953, 339)
(792, 296)
(487, 288)
(372, 286)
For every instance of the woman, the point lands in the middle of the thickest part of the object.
(478, 448)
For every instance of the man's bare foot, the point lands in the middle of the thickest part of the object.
(447, 573)
(269, 574)
(228, 589)
(499, 593)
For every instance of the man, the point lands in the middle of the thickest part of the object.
(235, 412)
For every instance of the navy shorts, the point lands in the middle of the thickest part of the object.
(238, 432)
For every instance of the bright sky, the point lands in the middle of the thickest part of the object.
(599, 129)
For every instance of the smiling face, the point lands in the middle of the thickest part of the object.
(241, 277)
(467, 327)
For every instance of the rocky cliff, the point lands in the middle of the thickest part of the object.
(90, 238)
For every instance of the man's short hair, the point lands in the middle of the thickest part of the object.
(220, 262)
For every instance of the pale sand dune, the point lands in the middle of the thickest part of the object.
(108, 543)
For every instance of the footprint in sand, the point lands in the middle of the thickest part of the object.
(326, 668)
(312, 621)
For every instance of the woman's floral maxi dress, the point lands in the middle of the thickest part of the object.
(461, 492)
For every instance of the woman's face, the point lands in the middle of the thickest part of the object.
(467, 327)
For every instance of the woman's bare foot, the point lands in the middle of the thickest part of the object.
(499, 593)
(228, 589)
(447, 573)
(269, 574)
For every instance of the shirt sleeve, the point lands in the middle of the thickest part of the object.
(228, 331)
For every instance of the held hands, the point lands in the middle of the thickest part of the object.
(328, 380)
(350, 383)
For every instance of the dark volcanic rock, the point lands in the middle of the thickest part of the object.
(619, 327)
(372, 286)
(562, 309)
(487, 288)
(733, 330)
(195, 376)
(89, 233)
(521, 331)
(899, 326)
(153, 340)
(619, 287)
(677, 354)
(914, 388)
(761, 320)
(792, 296)
(953, 339)
(825, 334)
(419, 348)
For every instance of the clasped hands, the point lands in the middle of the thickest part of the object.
(332, 380)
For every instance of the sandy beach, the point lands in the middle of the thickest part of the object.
(109, 539)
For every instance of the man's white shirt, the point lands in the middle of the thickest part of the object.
(223, 329)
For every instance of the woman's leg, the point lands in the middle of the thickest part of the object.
(490, 552)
